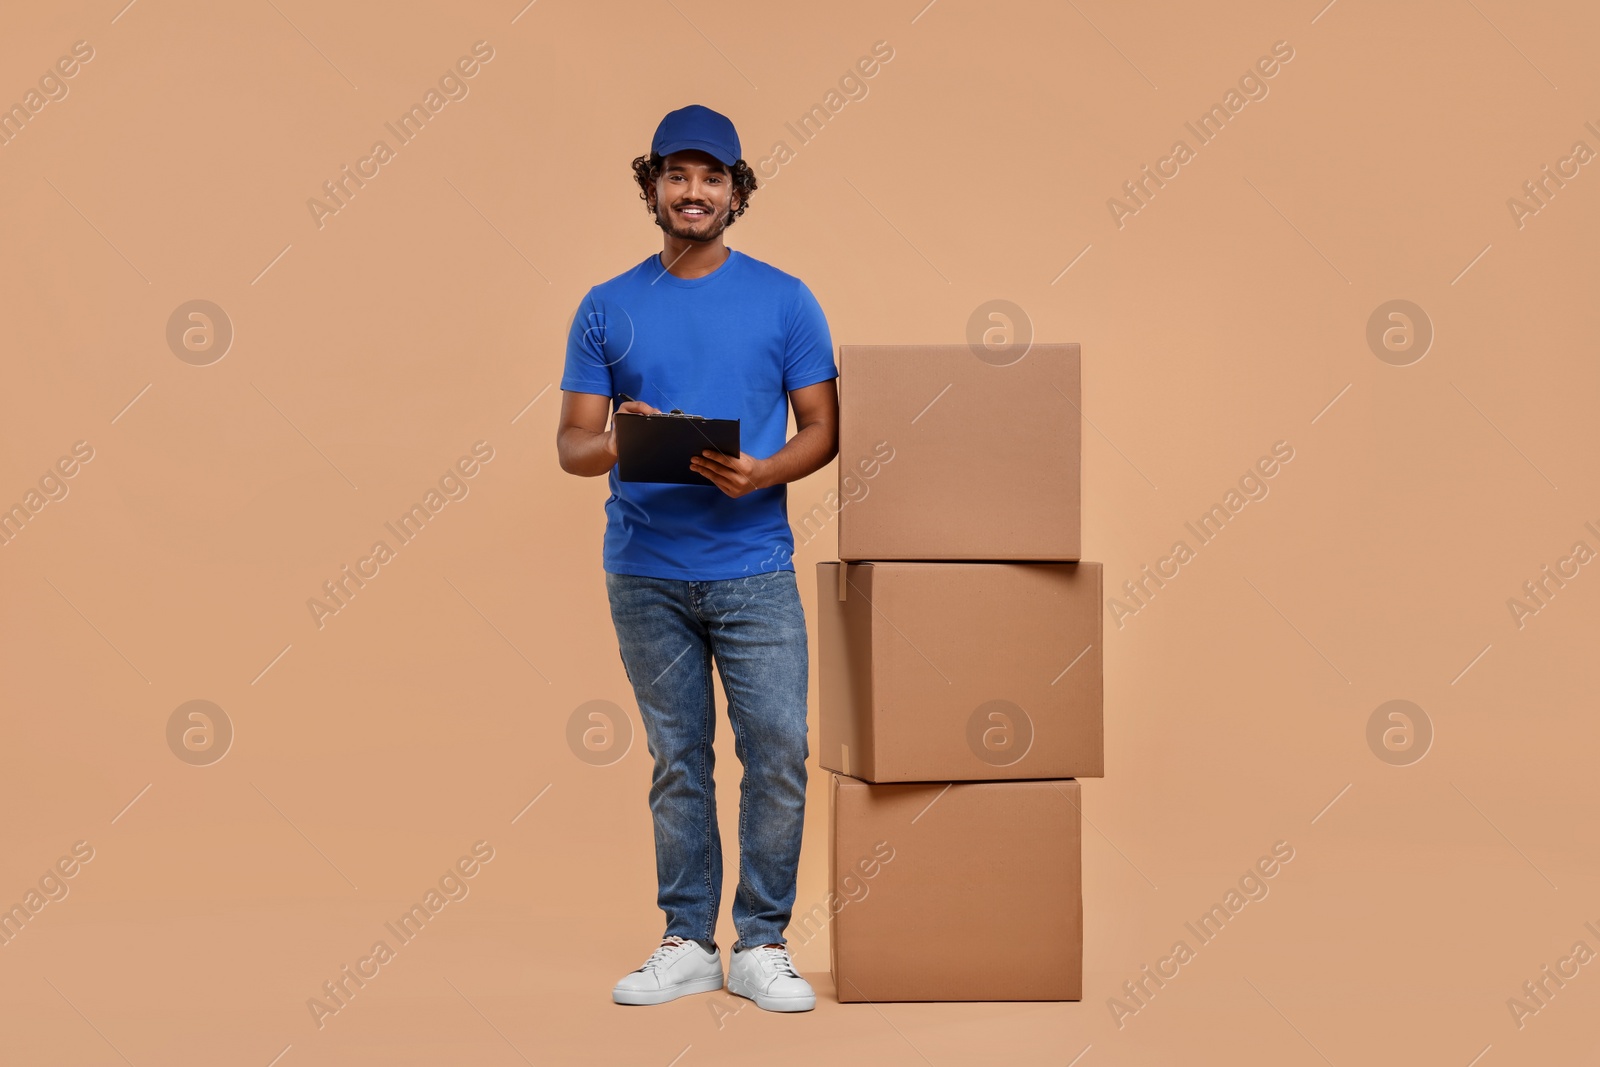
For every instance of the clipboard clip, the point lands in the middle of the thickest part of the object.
(675, 411)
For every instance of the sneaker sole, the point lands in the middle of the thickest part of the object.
(661, 996)
(769, 1003)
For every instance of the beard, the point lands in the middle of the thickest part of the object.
(707, 229)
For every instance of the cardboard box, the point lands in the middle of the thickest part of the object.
(962, 891)
(943, 455)
(960, 671)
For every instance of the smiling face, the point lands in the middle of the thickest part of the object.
(694, 198)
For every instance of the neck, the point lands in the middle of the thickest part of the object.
(692, 259)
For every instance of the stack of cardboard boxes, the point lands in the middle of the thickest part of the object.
(960, 676)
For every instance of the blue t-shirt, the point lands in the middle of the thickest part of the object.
(729, 345)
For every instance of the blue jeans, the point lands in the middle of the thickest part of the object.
(669, 632)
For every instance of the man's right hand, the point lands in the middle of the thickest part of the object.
(638, 407)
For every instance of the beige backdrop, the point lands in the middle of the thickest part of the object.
(371, 348)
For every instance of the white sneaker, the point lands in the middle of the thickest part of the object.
(677, 968)
(766, 975)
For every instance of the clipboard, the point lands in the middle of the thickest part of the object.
(657, 448)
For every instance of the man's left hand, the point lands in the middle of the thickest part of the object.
(735, 477)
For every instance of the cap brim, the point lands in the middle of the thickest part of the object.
(704, 146)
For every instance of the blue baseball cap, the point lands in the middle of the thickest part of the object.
(698, 127)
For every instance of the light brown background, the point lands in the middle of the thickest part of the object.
(1224, 317)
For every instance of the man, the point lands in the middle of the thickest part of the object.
(702, 574)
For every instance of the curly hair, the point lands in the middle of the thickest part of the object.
(647, 169)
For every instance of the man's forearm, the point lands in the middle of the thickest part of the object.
(584, 452)
(809, 450)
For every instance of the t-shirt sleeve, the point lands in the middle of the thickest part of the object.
(586, 369)
(808, 350)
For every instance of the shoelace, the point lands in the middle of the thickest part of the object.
(778, 958)
(669, 948)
